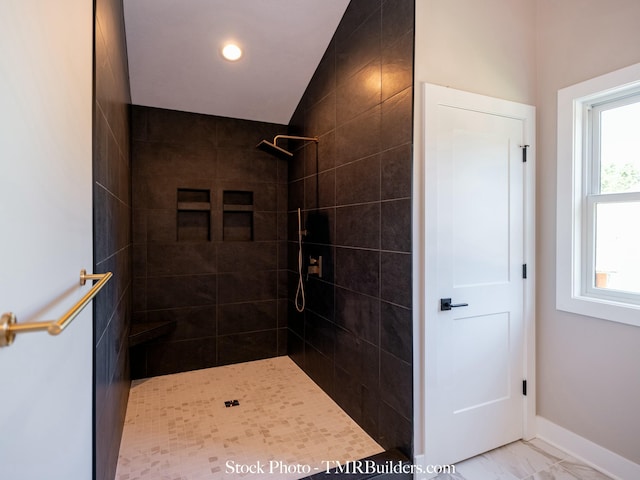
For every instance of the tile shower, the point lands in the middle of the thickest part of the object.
(214, 223)
(209, 238)
(215, 230)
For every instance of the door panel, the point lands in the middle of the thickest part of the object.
(46, 218)
(475, 251)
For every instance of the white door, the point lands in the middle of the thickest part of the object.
(475, 252)
(46, 239)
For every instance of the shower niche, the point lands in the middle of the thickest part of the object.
(194, 215)
(237, 215)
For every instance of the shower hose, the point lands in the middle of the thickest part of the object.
(300, 290)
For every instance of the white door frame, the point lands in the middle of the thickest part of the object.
(421, 273)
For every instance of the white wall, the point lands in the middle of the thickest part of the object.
(485, 47)
(45, 213)
(588, 369)
(525, 50)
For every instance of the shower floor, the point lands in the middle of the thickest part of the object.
(177, 427)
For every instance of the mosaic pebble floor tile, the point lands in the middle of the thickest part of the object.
(177, 427)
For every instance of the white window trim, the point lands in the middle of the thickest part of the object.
(570, 292)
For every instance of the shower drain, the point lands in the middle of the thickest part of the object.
(231, 403)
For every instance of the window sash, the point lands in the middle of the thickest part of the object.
(589, 240)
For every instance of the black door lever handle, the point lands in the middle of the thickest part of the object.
(445, 304)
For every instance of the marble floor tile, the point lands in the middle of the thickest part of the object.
(177, 427)
(533, 460)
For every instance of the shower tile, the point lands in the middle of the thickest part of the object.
(359, 138)
(139, 222)
(247, 317)
(246, 165)
(138, 123)
(397, 19)
(296, 165)
(358, 226)
(327, 189)
(320, 297)
(321, 117)
(359, 93)
(397, 378)
(395, 282)
(178, 427)
(265, 195)
(358, 357)
(295, 348)
(370, 407)
(162, 159)
(397, 65)
(181, 291)
(311, 193)
(395, 173)
(358, 270)
(296, 320)
(247, 256)
(283, 312)
(161, 226)
(184, 355)
(320, 368)
(359, 314)
(393, 428)
(354, 17)
(395, 332)
(320, 334)
(324, 78)
(396, 225)
(180, 258)
(240, 287)
(283, 284)
(180, 128)
(100, 157)
(360, 47)
(295, 201)
(282, 341)
(265, 226)
(397, 121)
(327, 151)
(190, 322)
(358, 182)
(247, 346)
(349, 395)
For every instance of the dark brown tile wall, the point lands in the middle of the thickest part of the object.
(355, 337)
(112, 234)
(228, 299)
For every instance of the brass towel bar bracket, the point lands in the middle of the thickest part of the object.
(9, 326)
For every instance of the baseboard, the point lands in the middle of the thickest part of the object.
(586, 451)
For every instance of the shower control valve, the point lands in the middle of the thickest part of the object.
(315, 266)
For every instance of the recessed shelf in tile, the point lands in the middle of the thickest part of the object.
(237, 215)
(194, 215)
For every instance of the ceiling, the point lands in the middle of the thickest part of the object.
(175, 61)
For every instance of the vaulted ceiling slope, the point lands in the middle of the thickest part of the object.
(175, 60)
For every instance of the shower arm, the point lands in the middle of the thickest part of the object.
(293, 137)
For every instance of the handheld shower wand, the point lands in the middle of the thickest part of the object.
(300, 300)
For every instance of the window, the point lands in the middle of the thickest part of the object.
(598, 229)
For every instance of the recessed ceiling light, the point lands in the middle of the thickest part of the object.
(231, 52)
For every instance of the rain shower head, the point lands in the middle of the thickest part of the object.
(274, 149)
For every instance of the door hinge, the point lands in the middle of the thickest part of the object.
(524, 388)
(524, 270)
(524, 153)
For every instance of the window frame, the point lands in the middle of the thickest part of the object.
(577, 182)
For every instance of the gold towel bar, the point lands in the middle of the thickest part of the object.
(9, 326)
